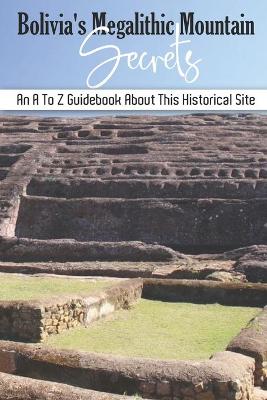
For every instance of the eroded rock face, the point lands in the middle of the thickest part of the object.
(254, 264)
(192, 184)
(20, 388)
(223, 276)
(252, 341)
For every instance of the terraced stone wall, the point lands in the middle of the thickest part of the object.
(187, 225)
(201, 178)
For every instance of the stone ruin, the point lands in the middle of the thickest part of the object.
(135, 189)
(180, 197)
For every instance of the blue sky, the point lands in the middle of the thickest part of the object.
(51, 62)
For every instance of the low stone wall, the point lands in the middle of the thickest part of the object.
(65, 250)
(226, 376)
(19, 388)
(252, 341)
(230, 293)
(33, 321)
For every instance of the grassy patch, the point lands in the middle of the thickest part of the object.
(14, 287)
(162, 330)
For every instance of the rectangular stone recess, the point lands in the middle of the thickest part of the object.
(226, 375)
(188, 225)
(33, 321)
(161, 330)
(14, 148)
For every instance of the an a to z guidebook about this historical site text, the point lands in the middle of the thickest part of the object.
(133, 200)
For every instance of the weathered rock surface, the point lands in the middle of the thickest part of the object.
(226, 375)
(254, 264)
(64, 250)
(136, 189)
(19, 388)
(221, 276)
(260, 394)
(252, 341)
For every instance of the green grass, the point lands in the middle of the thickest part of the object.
(155, 329)
(14, 287)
